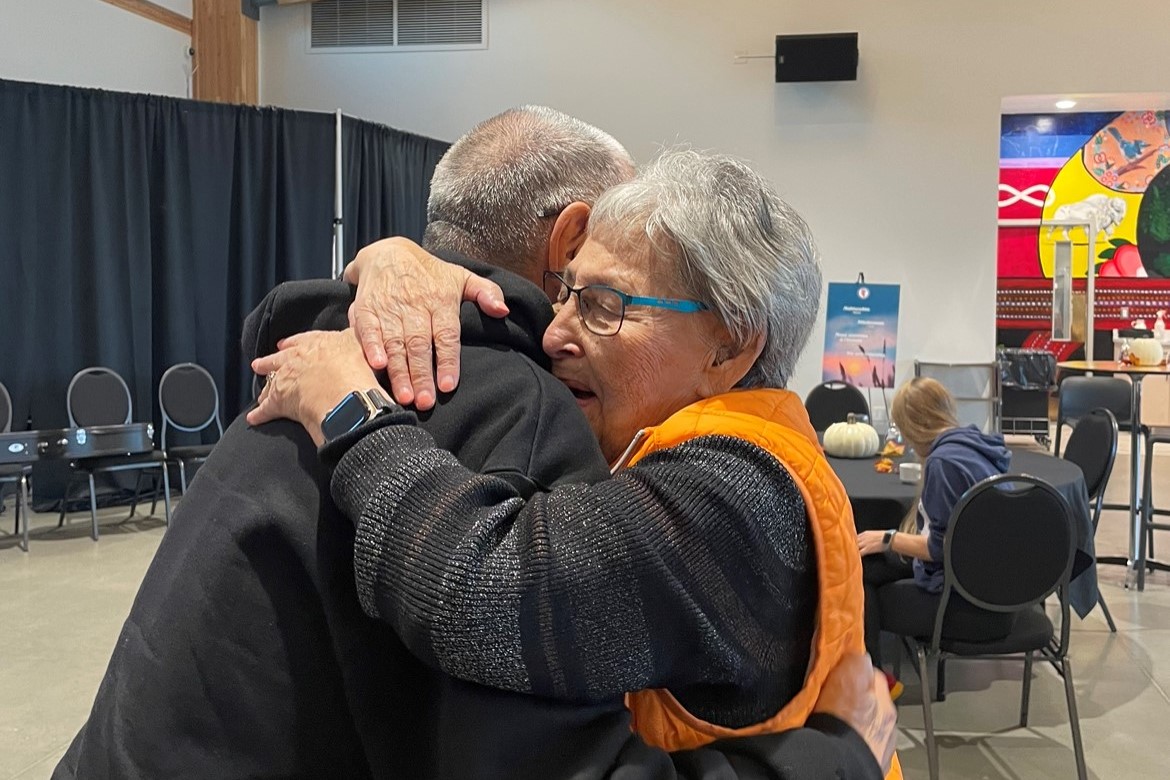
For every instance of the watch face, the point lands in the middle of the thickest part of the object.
(346, 416)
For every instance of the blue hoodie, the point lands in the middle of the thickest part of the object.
(958, 459)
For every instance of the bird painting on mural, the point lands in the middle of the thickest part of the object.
(1131, 149)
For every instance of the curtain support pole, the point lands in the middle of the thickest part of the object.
(338, 214)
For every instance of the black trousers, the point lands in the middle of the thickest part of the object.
(878, 570)
(894, 602)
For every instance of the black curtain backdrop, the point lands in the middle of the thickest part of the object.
(137, 232)
(386, 175)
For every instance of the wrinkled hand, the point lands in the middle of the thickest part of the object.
(870, 542)
(857, 694)
(309, 375)
(407, 300)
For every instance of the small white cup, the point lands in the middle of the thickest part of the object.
(910, 472)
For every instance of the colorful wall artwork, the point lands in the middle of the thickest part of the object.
(861, 334)
(1113, 166)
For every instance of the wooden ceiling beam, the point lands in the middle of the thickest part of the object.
(155, 13)
(226, 53)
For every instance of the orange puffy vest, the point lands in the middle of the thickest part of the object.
(776, 421)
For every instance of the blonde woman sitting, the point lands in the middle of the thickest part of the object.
(954, 459)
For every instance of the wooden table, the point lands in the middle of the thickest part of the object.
(1136, 566)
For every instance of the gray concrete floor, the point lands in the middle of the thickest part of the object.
(63, 604)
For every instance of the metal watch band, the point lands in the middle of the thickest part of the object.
(376, 402)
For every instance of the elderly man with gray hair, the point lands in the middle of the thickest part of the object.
(246, 652)
(515, 190)
(714, 581)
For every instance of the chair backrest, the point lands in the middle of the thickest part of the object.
(98, 396)
(1010, 544)
(975, 389)
(5, 409)
(1093, 447)
(1079, 395)
(189, 399)
(833, 402)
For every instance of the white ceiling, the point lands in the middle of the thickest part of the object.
(1112, 101)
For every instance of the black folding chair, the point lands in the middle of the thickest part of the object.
(189, 401)
(15, 474)
(833, 402)
(1092, 446)
(99, 396)
(1081, 395)
(1010, 544)
(1078, 396)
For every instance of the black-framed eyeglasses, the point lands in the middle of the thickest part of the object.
(602, 309)
(554, 211)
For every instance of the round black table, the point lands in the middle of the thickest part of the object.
(880, 501)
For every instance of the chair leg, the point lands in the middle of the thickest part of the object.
(134, 500)
(1148, 497)
(1026, 695)
(157, 487)
(16, 511)
(927, 718)
(182, 478)
(22, 510)
(1108, 615)
(1074, 719)
(940, 680)
(166, 493)
(93, 531)
(1144, 509)
(65, 500)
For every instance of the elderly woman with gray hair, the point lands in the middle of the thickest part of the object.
(714, 579)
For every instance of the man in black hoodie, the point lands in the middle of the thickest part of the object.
(246, 652)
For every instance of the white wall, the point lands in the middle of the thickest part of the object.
(89, 43)
(897, 172)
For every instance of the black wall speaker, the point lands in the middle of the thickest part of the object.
(821, 57)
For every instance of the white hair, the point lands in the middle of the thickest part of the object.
(731, 242)
(491, 188)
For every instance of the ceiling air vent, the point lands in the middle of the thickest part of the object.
(431, 22)
(382, 24)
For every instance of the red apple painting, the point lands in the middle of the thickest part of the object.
(1121, 260)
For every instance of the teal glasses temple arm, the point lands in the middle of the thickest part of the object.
(674, 304)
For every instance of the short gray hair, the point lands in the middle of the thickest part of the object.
(491, 187)
(730, 241)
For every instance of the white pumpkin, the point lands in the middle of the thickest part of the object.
(1145, 352)
(851, 439)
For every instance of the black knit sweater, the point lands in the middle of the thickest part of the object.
(692, 571)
